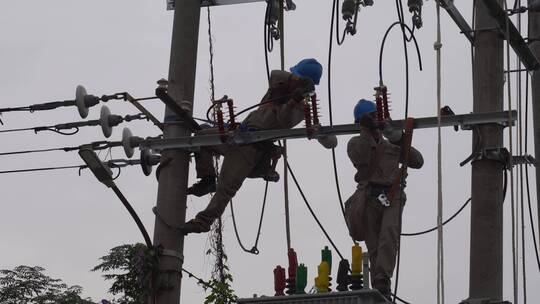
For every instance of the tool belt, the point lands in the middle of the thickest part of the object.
(375, 190)
(266, 166)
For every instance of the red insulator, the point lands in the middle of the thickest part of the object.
(379, 104)
(293, 263)
(279, 280)
(315, 109)
(230, 105)
(221, 124)
(307, 116)
(386, 109)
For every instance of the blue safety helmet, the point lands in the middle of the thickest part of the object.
(310, 68)
(363, 107)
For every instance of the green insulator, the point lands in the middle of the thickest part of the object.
(301, 279)
(326, 256)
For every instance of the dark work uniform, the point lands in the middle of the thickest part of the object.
(377, 164)
(240, 161)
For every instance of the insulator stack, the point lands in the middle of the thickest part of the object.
(315, 110)
(220, 123)
(326, 256)
(232, 116)
(293, 265)
(356, 269)
(301, 279)
(322, 281)
(279, 280)
(307, 115)
(386, 108)
(343, 279)
(379, 104)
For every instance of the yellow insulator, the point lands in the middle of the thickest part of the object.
(322, 282)
(356, 266)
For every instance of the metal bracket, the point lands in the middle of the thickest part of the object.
(483, 301)
(454, 13)
(499, 154)
(509, 30)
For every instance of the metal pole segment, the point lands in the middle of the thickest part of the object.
(454, 13)
(486, 258)
(241, 138)
(512, 34)
(171, 197)
(534, 34)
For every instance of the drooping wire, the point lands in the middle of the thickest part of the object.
(254, 249)
(444, 223)
(533, 233)
(330, 113)
(312, 212)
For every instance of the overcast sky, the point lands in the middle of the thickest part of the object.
(65, 222)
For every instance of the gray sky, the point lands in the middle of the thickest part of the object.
(65, 222)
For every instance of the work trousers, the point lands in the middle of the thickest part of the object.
(238, 163)
(382, 232)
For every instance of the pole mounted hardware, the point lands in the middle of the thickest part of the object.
(512, 34)
(240, 138)
(106, 120)
(350, 10)
(183, 114)
(454, 13)
(415, 7)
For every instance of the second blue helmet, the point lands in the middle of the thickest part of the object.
(310, 68)
(362, 107)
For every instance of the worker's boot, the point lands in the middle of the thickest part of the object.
(195, 226)
(206, 185)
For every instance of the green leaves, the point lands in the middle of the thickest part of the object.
(131, 270)
(26, 284)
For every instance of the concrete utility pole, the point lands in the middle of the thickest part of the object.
(534, 35)
(486, 259)
(173, 178)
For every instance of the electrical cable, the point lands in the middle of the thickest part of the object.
(533, 234)
(312, 212)
(406, 60)
(254, 249)
(41, 169)
(444, 223)
(133, 214)
(334, 161)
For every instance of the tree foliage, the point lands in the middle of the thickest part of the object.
(130, 267)
(26, 284)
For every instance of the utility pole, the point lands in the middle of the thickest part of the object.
(173, 177)
(534, 45)
(486, 259)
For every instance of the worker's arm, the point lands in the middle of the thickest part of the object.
(416, 161)
(360, 149)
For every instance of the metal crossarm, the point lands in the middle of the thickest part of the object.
(451, 9)
(512, 35)
(241, 138)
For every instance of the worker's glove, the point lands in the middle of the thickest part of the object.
(298, 94)
(391, 133)
(328, 141)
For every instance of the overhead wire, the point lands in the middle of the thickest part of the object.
(440, 240)
(330, 113)
(533, 233)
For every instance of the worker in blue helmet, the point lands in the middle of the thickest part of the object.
(371, 215)
(286, 91)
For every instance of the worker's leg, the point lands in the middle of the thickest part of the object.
(373, 225)
(237, 165)
(204, 165)
(388, 245)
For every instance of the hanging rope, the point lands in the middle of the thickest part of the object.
(512, 206)
(285, 174)
(440, 241)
